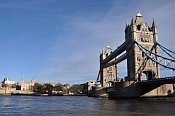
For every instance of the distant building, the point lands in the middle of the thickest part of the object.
(85, 88)
(6, 81)
(66, 88)
(27, 85)
(7, 86)
(91, 83)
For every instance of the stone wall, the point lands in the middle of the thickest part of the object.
(163, 90)
(7, 90)
(135, 89)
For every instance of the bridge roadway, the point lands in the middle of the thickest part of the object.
(159, 81)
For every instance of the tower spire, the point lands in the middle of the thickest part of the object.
(139, 14)
(126, 26)
(132, 21)
(154, 27)
(153, 24)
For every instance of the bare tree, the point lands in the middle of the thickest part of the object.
(76, 88)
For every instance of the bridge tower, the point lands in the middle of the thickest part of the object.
(107, 73)
(139, 66)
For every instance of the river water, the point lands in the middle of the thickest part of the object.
(84, 106)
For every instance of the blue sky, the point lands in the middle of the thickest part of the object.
(60, 40)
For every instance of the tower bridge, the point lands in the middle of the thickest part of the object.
(140, 49)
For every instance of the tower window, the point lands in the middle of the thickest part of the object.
(138, 27)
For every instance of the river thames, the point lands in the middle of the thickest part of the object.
(84, 106)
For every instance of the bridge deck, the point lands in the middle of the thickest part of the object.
(161, 81)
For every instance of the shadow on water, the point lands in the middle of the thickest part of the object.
(163, 106)
(148, 106)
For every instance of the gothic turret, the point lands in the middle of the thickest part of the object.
(107, 74)
(126, 26)
(132, 21)
(147, 37)
(133, 26)
(154, 27)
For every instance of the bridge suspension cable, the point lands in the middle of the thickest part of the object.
(161, 60)
(167, 51)
(98, 77)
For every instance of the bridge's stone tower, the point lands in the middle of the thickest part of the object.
(107, 74)
(138, 64)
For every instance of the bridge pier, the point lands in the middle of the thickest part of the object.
(131, 89)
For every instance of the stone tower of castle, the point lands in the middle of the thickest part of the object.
(107, 74)
(138, 64)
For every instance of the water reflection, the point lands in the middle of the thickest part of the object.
(82, 105)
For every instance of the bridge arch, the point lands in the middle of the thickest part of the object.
(110, 83)
(149, 74)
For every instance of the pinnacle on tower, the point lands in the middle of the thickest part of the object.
(154, 27)
(153, 24)
(102, 51)
(139, 19)
(126, 26)
(139, 14)
(132, 21)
